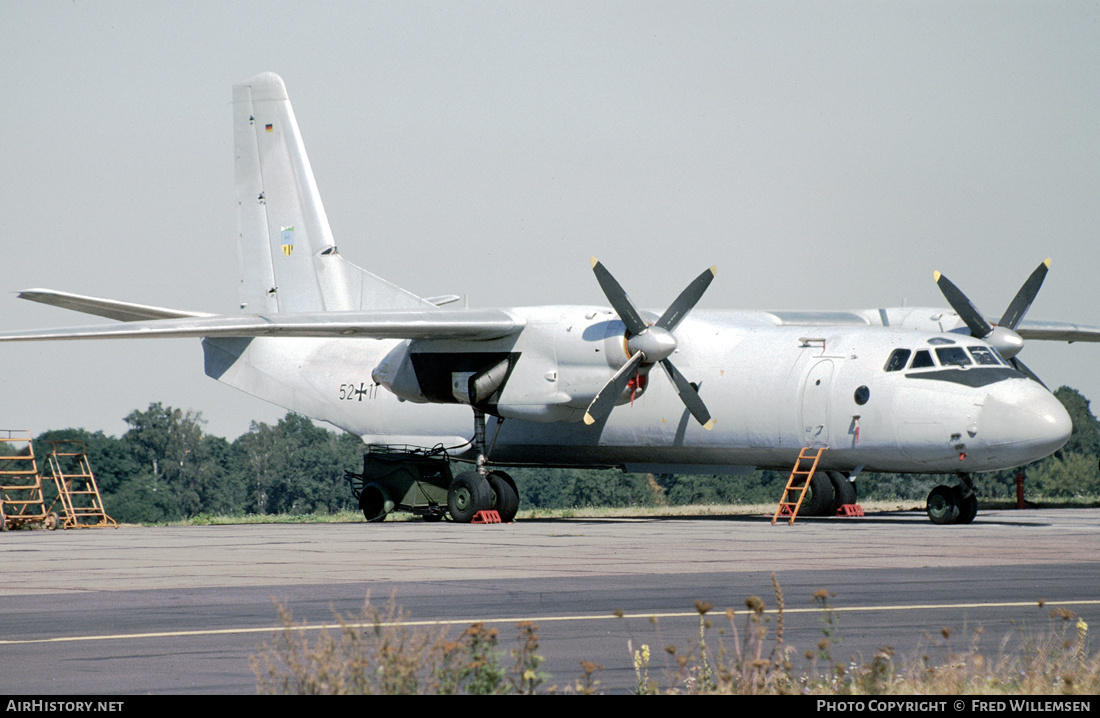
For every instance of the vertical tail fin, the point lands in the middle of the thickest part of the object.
(288, 259)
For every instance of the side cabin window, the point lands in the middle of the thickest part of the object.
(983, 356)
(922, 360)
(897, 360)
(953, 356)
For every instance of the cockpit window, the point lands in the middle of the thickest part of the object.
(953, 356)
(921, 360)
(897, 360)
(983, 356)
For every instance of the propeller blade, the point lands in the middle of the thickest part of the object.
(1023, 299)
(655, 341)
(1022, 368)
(620, 302)
(689, 395)
(687, 299)
(978, 326)
(604, 402)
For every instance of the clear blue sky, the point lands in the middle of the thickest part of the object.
(823, 155)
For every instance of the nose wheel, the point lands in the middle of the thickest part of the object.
(953, 504)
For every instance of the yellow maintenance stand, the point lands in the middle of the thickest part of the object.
(77, 491)
(76, 502)
(21, 500)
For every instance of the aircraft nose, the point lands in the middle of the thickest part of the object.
(1023, 421)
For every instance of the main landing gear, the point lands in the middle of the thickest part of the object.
(953, 504)
(829, 490)
(482, 489)
(471, 492)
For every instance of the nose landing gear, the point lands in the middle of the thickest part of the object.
(953, 504)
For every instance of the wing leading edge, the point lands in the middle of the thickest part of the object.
(470, 324)
(1058, 331)
(146, 321)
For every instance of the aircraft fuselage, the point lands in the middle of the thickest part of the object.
(776, 389)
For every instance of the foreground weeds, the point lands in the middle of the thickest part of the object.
(379, 652)
(741, 654)
(743, 651)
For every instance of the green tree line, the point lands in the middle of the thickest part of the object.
(165, 467)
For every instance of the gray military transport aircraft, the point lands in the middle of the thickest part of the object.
(899, 390)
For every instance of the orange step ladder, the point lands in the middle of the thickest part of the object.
(77, 491)
(21, 498)
(798, 482)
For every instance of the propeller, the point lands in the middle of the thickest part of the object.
(649, 344)
(1002, 336)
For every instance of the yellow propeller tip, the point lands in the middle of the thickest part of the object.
(709, 425)
(714, 270)
(594, 262)
(589, 419)
(1047, 262)
(936, 276)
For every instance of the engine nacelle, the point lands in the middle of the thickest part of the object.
(551, 372)
(397, 375)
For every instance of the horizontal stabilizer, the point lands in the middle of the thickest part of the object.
(469, 324)
(109, 308)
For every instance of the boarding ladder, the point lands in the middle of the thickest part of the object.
(77, 492)
(799, 482)
(21, 499)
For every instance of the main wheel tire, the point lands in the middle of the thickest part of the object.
(819, 502)
(372, 501)
(968, 507)
(943, 505)
(844, 491)
(468, 494)
(505, 495)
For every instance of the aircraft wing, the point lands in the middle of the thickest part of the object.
(1058, 331)
(471, 324)
(110, 308)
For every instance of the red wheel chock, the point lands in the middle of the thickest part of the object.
(489, 516)
(850, 510)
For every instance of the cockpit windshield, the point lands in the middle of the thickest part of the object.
(983, 356)
(952, 356)
(922, 360)
(944, 356)
(897, 359)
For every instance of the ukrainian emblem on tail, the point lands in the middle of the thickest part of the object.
(288, 240)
